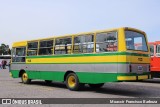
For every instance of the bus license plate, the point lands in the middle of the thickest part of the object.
(140, 68)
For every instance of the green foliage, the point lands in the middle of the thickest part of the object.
(4, 49)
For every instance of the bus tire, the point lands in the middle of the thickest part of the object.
(25, 78)
(48, 81)
(96, 85)
(72, 82)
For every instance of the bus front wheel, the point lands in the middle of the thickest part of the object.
(72, 82)
(96, 85)
(25, 78)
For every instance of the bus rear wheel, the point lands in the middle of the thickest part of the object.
(96, 85)
(25, 78)
(72, 82)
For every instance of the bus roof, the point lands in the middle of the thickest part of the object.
(156, 42)
(19, 44)
(24, 43)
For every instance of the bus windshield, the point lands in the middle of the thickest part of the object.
(135, 41)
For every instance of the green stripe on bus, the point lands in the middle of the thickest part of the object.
(91, 54)
(84, 77)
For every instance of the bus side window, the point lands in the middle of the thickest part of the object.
(158, 50)
(106, 42)
(152, 50)
(19, 54)
(63, 45)
(13, 54)
(84, 44)
(46, 47)
(32, 48)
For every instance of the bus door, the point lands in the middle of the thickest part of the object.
(157, 58)
(19, 54)
(18, 58)
(153, 56)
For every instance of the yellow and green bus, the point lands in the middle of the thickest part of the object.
(92, 58)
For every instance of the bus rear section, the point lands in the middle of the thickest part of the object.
(155, 59)
(137, 57)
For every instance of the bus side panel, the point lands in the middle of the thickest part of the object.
(15, 73)
(99, 73)
(122, 65)
(155, 67)
(52, 75)
(155, 64)
(33, 74)
(87, 73)
(95, 78)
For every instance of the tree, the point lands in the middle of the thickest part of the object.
(4, 49)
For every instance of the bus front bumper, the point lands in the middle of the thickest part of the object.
(133, 78)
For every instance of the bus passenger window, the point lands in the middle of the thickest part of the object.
(19, 54)
(32, 48)
(106, 42)
(63, 45)
(151, 50)
(84, 44)
(46, 47)
(158, 50)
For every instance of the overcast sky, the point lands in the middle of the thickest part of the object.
(33, 19)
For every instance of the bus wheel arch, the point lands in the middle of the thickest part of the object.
(72, 81)
(21, 72)
(67, 72)
(24, 77)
